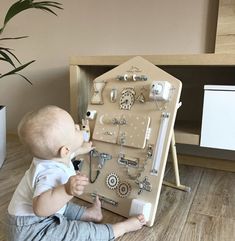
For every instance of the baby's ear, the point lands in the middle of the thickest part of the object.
(64, 151)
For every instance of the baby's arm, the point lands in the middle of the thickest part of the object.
(49, 202)
(85, 148)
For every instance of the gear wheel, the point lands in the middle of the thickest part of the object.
(112, 180)
(123, 189)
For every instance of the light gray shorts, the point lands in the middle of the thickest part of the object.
(58, 227)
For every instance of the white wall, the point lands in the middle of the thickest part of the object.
(96, 27)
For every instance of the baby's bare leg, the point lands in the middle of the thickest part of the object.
(94, 213)
(129, 225)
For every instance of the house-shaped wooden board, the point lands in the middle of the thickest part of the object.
(132, 111)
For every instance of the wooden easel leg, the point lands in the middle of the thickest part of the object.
(177, 184)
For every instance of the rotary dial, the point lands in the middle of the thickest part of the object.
(127, 98)
(112, 180)
(123, 189)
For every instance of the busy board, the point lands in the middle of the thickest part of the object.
(131, 114)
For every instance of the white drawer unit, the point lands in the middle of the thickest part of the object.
(218, 119)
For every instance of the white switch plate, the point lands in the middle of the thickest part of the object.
(140, 207)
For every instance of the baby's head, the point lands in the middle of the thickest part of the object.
(49, 133)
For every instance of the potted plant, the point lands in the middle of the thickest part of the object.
(7, 55)
(2, 134)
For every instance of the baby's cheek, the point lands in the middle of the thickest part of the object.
(79, 139)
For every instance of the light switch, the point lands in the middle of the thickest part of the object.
(140, 207)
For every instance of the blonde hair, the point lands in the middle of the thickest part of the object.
(45, 131)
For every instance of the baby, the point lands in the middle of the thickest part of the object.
(40, 208)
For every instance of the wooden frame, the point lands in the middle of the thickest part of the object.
(162, 122)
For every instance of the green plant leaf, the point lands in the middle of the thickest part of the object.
(2, 52)
(16, 8)
(22, 5)
(25, 78)
(6, 58)
(16, 70)
(49, 4)
(46, 9)
(20, 76)
(13, 38)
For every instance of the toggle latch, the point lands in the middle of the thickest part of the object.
(144, 185)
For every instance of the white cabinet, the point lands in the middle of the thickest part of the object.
(218, 119)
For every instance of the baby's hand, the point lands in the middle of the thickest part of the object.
(76, 184)
(85, 148)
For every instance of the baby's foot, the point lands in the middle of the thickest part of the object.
(134, 223)
(94, 213)
(129, 225)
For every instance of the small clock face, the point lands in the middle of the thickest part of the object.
(127, 99)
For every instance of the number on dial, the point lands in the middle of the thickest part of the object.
(127, 99)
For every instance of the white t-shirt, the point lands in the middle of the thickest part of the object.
(40, 177)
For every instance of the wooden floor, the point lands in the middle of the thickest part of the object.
(205, 214)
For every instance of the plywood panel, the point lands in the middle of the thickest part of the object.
(141, 117)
